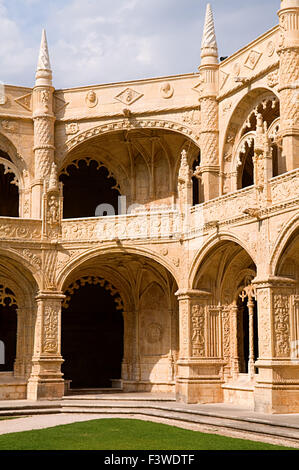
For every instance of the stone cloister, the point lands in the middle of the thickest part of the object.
(149, 230)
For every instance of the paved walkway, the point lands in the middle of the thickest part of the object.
(40, 422)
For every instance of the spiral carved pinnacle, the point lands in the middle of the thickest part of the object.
(209, 36)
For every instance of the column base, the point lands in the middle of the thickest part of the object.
(277, 388)
(43, 389)
(199, 382)
(46, 382)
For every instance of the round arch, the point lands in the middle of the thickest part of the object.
(208, 246)
(240, 119)
(8, 147)
(135, 124)
(289, 229)
(19, 279)
(142, 287)
(110, 250)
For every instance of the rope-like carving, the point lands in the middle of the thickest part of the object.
(92, 280)
(7, 297)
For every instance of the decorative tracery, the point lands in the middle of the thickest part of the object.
(92, 280)
(7, 297)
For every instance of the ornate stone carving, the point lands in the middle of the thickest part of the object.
(7, 297)
(92, 280)
(25, 101)
(10, 126)
(281, 311)
(91, 99)
(166, 90)
(154, 332)
(32, 258)
(272, 79)
(270, 48)
(198, 330)
(128, 96)
(252, 59)
(50, 329)
(72, 128)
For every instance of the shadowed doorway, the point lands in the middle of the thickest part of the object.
(8, 329)
(92, 337)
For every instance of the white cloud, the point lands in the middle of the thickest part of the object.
(94, 41)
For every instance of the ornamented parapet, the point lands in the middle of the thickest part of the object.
(20, 229)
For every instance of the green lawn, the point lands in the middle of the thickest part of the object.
(123, 434)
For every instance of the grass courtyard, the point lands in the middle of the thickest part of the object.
(124, 434)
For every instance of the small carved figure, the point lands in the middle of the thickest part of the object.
(53, 206)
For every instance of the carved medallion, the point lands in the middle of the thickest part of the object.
(154, 332)
(166, 90)
(236, 69)
(91, 99)
(270, 48)
(128, 96)
(252, 59)
(72, 128)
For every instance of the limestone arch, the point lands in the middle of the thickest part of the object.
(209, 245)
(132, 124)
(113, 249)
(7, 146)
(131, 277)
(15, 275)
(291, 227)
(235, 130)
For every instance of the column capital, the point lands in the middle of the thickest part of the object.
(185, 294)
(50, 295)
(273, 281)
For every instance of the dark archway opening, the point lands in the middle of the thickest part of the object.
(9, 194)
(247, 173)
(196, 184)
(92, 338)
(8, 335)
(243, 335)
(86, 185)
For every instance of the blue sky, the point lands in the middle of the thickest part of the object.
(100, 41)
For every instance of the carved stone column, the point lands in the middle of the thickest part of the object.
(46, 380)
(209, 139)
(289, 81)
(200, 363)
(129, 347)
(262, 163)
(43, 118)
(277, 383)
